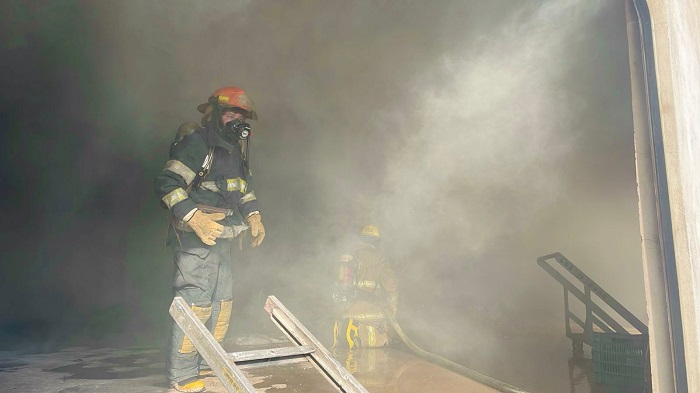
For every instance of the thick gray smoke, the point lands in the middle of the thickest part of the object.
(481, 164)
(463, 131)
(478, 136)
(483, 154)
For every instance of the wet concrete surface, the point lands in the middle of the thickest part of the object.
(392, 370)
(83, 370)
(538, 361)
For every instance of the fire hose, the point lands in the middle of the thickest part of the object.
(450, 365)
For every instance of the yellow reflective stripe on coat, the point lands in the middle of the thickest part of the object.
(175, 196)
(236, 184)
(248, 197)
(370, 316)
(366, 284)
(203, 314)
(181, 169)
(221, 323)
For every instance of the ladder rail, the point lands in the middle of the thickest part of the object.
(341, 378)
(225, 369)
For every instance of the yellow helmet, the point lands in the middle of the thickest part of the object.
(370, 230)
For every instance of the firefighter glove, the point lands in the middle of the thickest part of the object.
(206, 226)
(257, 230)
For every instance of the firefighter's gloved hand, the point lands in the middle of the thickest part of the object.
(206, 226)
(257, 230)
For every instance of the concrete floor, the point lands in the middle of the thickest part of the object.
(138, 370)
(537, 362)
(83, 370)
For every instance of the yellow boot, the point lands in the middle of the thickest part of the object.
(195, 386)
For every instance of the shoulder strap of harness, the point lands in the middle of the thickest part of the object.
(206, 165)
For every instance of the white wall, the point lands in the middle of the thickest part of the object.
(676, 26)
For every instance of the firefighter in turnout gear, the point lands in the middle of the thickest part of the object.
(206, 186)
(365, 286)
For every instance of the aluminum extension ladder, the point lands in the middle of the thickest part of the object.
(227, 366)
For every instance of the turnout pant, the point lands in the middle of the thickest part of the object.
(362, 325)
(204, 280)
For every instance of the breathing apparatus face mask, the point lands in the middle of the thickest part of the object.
(236, 130)
(233, 131)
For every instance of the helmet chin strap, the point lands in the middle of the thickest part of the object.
(216, 113)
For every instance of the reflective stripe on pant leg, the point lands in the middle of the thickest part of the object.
(194, 280)
(203, 314)
(223, 293)
(222, 321)
(372, 336)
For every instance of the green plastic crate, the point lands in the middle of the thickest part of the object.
(620, 360)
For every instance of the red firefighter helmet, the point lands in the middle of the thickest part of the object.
(230, 97)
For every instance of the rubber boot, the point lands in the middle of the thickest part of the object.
(195, 386)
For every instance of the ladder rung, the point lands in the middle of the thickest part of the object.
(265, 363)
(272, 353)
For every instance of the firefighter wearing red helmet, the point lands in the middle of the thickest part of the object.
(206, 185)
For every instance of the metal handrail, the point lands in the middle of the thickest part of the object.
(595, 316)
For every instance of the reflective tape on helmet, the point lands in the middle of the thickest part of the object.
(236, 184)
(181, 169)
(174, 196)
(248, 197)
